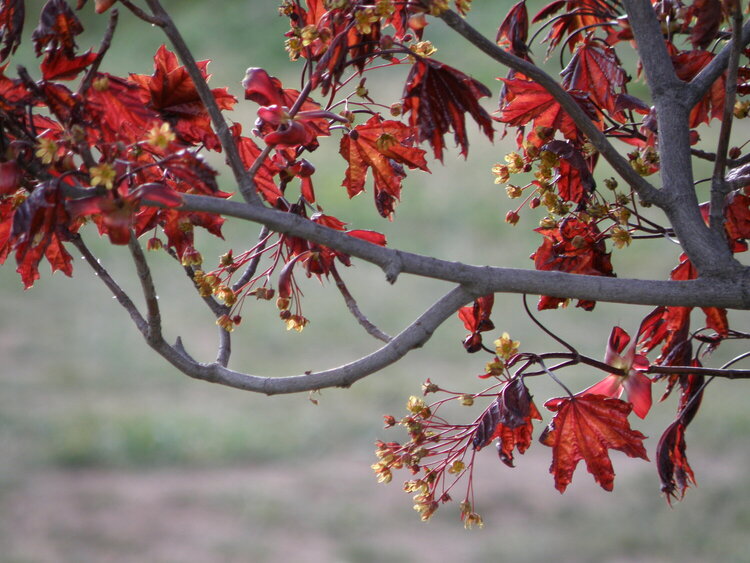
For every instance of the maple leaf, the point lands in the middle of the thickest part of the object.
(596, 70)
(11, 26)
(114, 213)
(671, 462)
(574, 247)
(437, 97)
(526, 101)
(514, 30)
(116, 108)
(508, 419)
(249, 152)
(58, 26)
(623, 357)
(39, 227)
(381, 147)
(267, 90)
(171, 92)
(580, 15)
(687, 65)
(574, 181)
(671, 325)
(708, 15)
(58, 66)
(585, 428)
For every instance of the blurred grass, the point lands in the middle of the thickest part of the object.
(109, 454)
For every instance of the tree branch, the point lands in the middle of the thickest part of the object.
(705, 78)
(719, 186)
(245, 181)
(657, 64)
(119, 294)
(731, 292)
(354, 309)
(148, 288)
(645, 190)
(705, 247)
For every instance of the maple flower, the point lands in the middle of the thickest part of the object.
(161, 136)
(104, 175)
(636, 383)
(505, 347)
(46, 150)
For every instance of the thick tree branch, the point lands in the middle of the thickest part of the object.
(652, 48)
(731, 292)
(646, 191)
(706, 247)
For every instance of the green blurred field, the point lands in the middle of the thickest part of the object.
(108, 454)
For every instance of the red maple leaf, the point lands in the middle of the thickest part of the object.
(381, 147)
(172, 93)
(58, 26)
(114, 213)
(58, 66)
(249, 152)
(437, 97)
(596, 70)
(11, 26)
(39, 227)
(526, 101)
(580, 15)
(671, 462)
(585, 428)
(573, 247)
(513, 31)
(708, 16)
(508, 419)
(671, 325)
(116, 108)
(687, 65)
(737, 224)
(574, 181)
(623, 357)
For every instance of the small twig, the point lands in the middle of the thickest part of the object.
(252, 265)
(554, 377)
(719, 188)
(103, 48)
(546, 330)
(713, 372)
(141, 13)
(119, 294)
(351, 303)
(148, 288)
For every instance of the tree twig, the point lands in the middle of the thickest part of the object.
(719, 187)
(354, 309)
(149, 290)
(245, 181)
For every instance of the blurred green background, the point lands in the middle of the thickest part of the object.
(109, 454)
